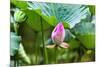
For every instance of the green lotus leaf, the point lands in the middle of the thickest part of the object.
(73, 44)
(35, 19)
(88, 40)
(70, 14)
(22, 54)
(85, 32)
(19, 16)
(20, 4)
(15, 41)
(92, 9)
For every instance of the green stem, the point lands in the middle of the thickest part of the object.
(36, 48)
(56, 54)
(36, 54)
(16, 28)
(16, 31)
(44, 48)
(16, 60)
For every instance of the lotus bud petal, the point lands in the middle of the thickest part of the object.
(64, 45)
(58, 34)
(51, 46)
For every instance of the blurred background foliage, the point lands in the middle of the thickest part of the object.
(79, 23)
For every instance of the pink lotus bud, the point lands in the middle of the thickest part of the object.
(58, 34)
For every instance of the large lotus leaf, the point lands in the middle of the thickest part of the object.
(92, 9)
(22, 54)
(19, 16)
(15, 41)
(85, 32)
(84, 28)
(34, 20)
(68, 35)
(69, 13)
(88, 40)
(19, 4)
(35, 17)
(73, 44)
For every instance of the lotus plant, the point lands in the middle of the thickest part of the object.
(58, 36)
(19, 16)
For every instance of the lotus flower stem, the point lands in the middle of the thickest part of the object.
(56, 54)
(15, 60)
(16, 26)
(44, 48)
(37, 48)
